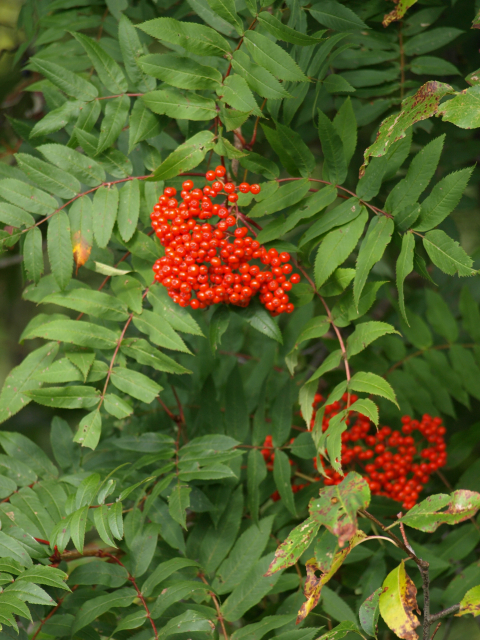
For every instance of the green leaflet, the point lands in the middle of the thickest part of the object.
(33, 254)
(226, 10)
(443, 199)
(20, 380)
(336, 16)
(284, 32)
(135, 384)
(404, 268)
(366, 333)
(110, 74)
(367, 382)
(273, 58)
(132, 49)
(71, 83)
(192, 36)
(186, 156)
(419, 174)
(345, 212)
(236, 93)
(285, 196)
(83, 168)
(373, 246)
(180, 71)
(116, 113)
(105, 205)
(337, 246)
(447, 254)
(142, 124)
(53, 179)
(94, 303)
(29, 198)
(60, 249)
(259, 79)
(335, 165)
(175, 104)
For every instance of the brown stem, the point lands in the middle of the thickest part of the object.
(446, 612)
(217, 607)
(115, 353)
(375, 210)
(139, 593)
(52, 612)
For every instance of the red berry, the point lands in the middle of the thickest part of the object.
(210, 175)
(220, 171)
(255, 189)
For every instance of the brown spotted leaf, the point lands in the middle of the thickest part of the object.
(470, 602)
(312, 589)
(398, 12)
(426, 516)
(420, 106)
(292, 548)
(336, 507)
(398, 603)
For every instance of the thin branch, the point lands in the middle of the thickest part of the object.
(217, 607)
(139, 593)
(52, 612)
(446, 612)
(415, 354)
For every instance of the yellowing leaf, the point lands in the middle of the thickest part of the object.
(399, 11)
(81, 249)
(398, 603)
(313, 585)
(470, 602)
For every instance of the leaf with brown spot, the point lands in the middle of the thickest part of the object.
(426, 516)
(336, 507)
(424, 104)
(398, 603)
(398, 12)
(313, 585)
(292, 548)
(470, 602)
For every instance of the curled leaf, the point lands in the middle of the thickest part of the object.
(398, 603)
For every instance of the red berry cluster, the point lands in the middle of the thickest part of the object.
(392, 462)
(210, 261)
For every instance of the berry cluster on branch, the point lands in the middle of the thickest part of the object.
(207, 263)
(396, 464)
